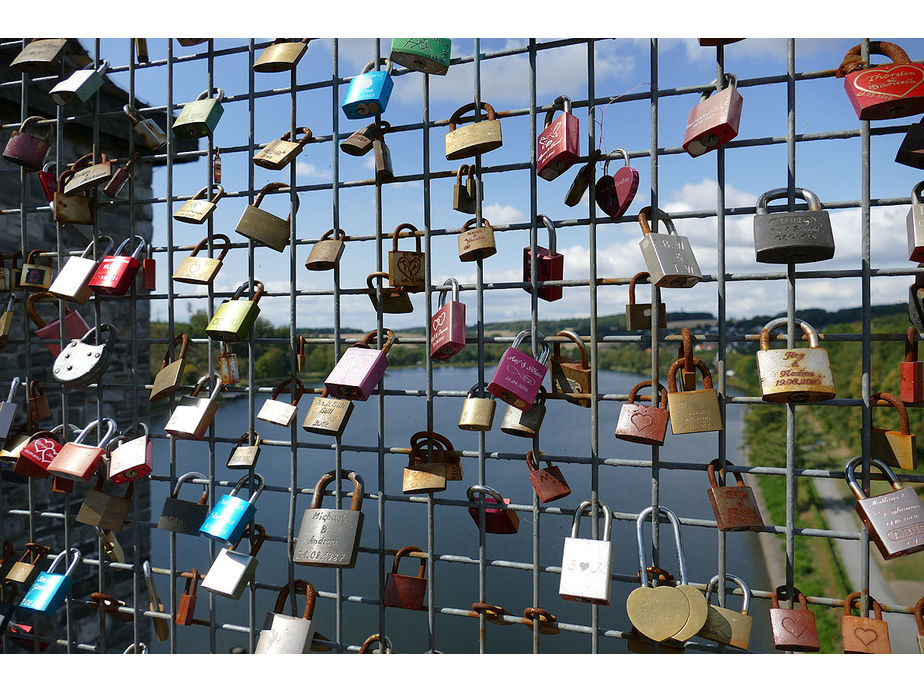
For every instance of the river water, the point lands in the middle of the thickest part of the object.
(565, 431)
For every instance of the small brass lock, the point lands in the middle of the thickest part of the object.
(282, 55)
(406, 267)
(34, 275)
(724, 625)
(794, 375)
(198, 208)
(70, 209)
(694, 411)
(281, 151)
(40, 55)
(476, 242)
(477, 412)
(246, 453)
(326, 251)
(202, 270)
(571, 378)
(170, 376)
(476, 138)
(262, 227)
(395, 299)
(463, 195)
(327, 415)
(895, 448)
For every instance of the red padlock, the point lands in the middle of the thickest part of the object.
(550, 267)
(75, 326)
(406, 591)
(499, 518)
(894, 90)
(28, 150)
(794, 629)
(49, 180)
(447, 327)
(149, 270)
(39, 452)
(116, 272)
(643, 423)
(912, 370)
(714, 121)
(549, 483)
(78, 460)
(559, 145)
(615, 193)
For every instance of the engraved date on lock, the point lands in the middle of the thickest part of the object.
(326, 557)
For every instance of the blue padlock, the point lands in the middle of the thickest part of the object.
(231, 515)
(49, 589)
(368, 92)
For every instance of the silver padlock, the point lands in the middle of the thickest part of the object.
(791, 237)
(525, 424)
(586, 564)
(72, 281)
(915, 223)
(669, 257)
(150, 132)
(133, 458)
(283, 634)
(193, 414)
(81, 362)
(80, 86)
(330, 537)
(8, 409)
(232, 570)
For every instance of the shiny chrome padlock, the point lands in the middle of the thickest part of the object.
(277, 412)
(558, 147)
(643, 423)
(715, 120)
(882, 92)
(519, 376)
(40, 55)
(231, 514)
(169, 378)
(132, 458)
(638, 315)
(283, 634)
(78, 461)
(147, 130)
(406, 591)
(72, 282)
(326, 251)
(587, 564)
(282, 151)
(368, 93)
(734, 507)
(862, 635)
(447, 326)
(550, 265)
(328, 416)
(615, 193)
(193, 415)
(330, 537)
(693, 411)
(198, 208)
(360, 369)
(282, 55)
(88, 174)
(477, 412)
(49, 589)
(8, 408)
(669, 256)
(234, 318)
(895, 448)
(232, 569)
(246, 453)
(80, 86)
(262, 227)
(792, 237)
(911, 371)
(725, 626)
(429, 55)
(794, 375)
(83, 362)
(525, 423)
(476, 242)
(115, 273)
(105, 510)
(406, 267)
(475, 138)
(549, 483)
(28, 150)
(571, 378)
(394, 299)
(182, 516)
(199, 118)
(914, 223)
(499, 518)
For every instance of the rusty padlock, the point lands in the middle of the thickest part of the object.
(499, 518)
(571, 378)
(549, 482)
(862, 635)
(406, 591)
(895, 448)
(734, 507)
(406, 267)
(893, 90)
(643, 423)
(911, 370)
(793, 629)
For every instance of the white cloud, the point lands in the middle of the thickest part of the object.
(501, 215)
(305, 169)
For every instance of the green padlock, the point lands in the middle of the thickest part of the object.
(430, 55)
(233, 319)
(199, 118)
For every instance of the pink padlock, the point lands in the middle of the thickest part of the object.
(75, 326)
(518, 375)
(447, 327)
(49, 180)
(28, 150)
(558, 145)
(359, 369)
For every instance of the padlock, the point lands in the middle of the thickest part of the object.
(638, 315)
(432, 447)
(277, 412)
(234, 318)
(8, 408)
(894, 520)
(202, 270)
(182, 516)
(558, 147)
(586, 564)
(231, 514)
(669, 256)
(694, 411)
(198, 208)
(72, 282)
(282, 55)
(118, 180)
(550, 267)
(429, 55)
(232, 569)
(717, 41)
(385, 644)
(794, 375)
(911, 371)
(725, 626)
(39, 55)
(246, 453)
(406, 591)
(360, 142)
(72, 209)
(6, 320)
(199, 118)
(571, 378)
(360, 369)
(228, 373)
(79, 461)
(383, 169)
(262, 227)
(88, 174)
(186, 607)
(791, 237)
(147, 130)
(525, 423)
(26, 569)
(423, 477)
(328, 416)
(793, 629)
(463, 194)
(39, 452)
(28, 150)
(80, 86)
(115, 273)
(406, 267)
(301, 353)
(862, 635)
(893, 90)
(914, 222)
(714, 121)
(395, 299)
(368, 93)
(193, 415)
(35, 276)
(104, 510)
(549, 483)
(169, 378)
(518, 376)
(281, 151)
(615, 193)
(84, 360)
(39, 408)
(133, 457)
(330, 537)
(734, 507)
(111, 546)
(447, 326)
(548, 623)
(499, 518)
(326, 251)
(477, 412)
(894, 448)
(49, 180)
(475, 138)
(643, 423)
(919, 620)
(49, 589)
(911, 150)
(476, 242)
(583, 179)
(283, 634)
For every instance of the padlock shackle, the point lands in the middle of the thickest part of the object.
(895, 402)
(543, 355)
(662, 216)
(257, 295)
(34, 553)
(35, 388)
(141, 425)
(432, 438)
(334, 232)
(533, 613)
(192, 583)
(249, 436)
(110, 430)
(137, 251)
(356, 503)
(243, 480)
(110, 329)
(219, 94)
(481, 490)
(88, 160)
(35, 119)
(303, 586)
(282, 187)
(551, 229)
(783, 592)
(586, 506)
(404, 551)
(713, 88)
(302, 141)
(14, 385)
(186, 477)
(810, 334)
(853, 60)
(857, 597)
(562, 103)
(372, 64)
(717, 466)
(632, 282)
(714, 584)
(911, 345)
(201, 194)
(451, 284)
(61, 556)
(814, 204)
(531, 462)
(375, 637)
(33, 253)
(480, 385)
(203, 380)
(226, 243)
(456, 118)
(703, 368)
(369, 336)
(142, 648)
(917, 194)
(463, 170)
(255, 546)
(183, 340)
(106, 251)
(471, 222)
(606, 162)
(678, 544)
(396, 234)
(647, 383)
(686, 349)
(295, 387)
(850, 473)
(574, 337)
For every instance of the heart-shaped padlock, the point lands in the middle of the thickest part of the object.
(83, 362)
(615, 193)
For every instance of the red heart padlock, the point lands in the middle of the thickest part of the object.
(886, 91)
(615, 193)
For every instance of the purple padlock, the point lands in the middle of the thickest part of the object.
(518, 375)
(447, 327)
(359, 369)
(28, 150)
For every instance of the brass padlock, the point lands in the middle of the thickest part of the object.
(199, 208)
(39, 55)
(476, 138)
(571, 378)
(277, 412)
(71, 209)
(326, 251)
(525, 423)
(301, 355)
(105, 510)
(202, 270)
(360, 142)
(422, 476)
(262, 227)
(724, 625)
(281, 151)
(383, 170)
(794, 375)
(429, 446)
(394, 299)
(406, 267)
(35, 276)
(6, 320)
(170, 376)
(328, 416)
(246, 452)
(199, 118)
(895, 448)
(694, 411)
(476, 242)
(638, 315)
(862, 635)
(477, 412)
(282, 55)
(234, 319)
(26, 569)
(87, 174)
(734, 507)
(161, 629)
(463, 195)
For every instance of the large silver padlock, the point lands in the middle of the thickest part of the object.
(80, 86)
(330, 537)
(232, 570)
(669, 257)
(71, 283)
(193, 415)
(284, 634)
(586, 564)
(915, 224)
(794, 375)
(791, 237)
(81, 362)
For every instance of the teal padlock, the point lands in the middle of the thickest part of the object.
(199, 118)
(368, 92)
(430, 55)
(49, 589)
(231, 514)
(233, 319)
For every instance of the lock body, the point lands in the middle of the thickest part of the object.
(888, 91)
(277, 412)
(405, 591)
(638, 316)
(912, 381)
(475, 138)
(115, 275)
(670, 260)
(244, 457)
(430, 55)
(447, 331)
(911, 150)
(713, 122)
(39, 55)
(524, 423)
(727, 627)
(558, 147)
(195, 211)
(197, 270)
(795, 375)
(793, 237)
(198, 118)
(550, 267)
(191, 418)
(47, 592)
(586, 566)
(424, 477)
(27, 150)
(233, 320)
(76, 461)
(895, 522)
(325, 253)
(356, 374)
(696, 411)
(230, 572)
(734, 508)
(168, 379)
(261, 226)
(549, 483)
(641, 423)
(497, 520)
(182, 516)
(406, 269)
(328, 416)
(77, 88)
(284, 634)
(367, 94)
(228, 519)
(895, 448)
(861, 635)
(280, 57)
(328, 537)
(71, 283)
(150, 133)
(132, 460)
(517, 379)
(476, 242)
(477, 414)
(794, 630)
(914, 223)
(571, 378)
(104, 510)
(35, 457)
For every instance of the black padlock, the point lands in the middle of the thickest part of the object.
(790, 237)
(911, 150)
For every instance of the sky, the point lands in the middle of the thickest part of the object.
(831, 169)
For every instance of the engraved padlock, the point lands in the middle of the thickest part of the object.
(147, 130)
(862, 635)
(199, 118)
(234, 318)
(549, 267)
(558, 147)
(792, 237)
(360, 142)
(232, 514)
(360, 369)
(170, 376)
(182, 516)
(262, 227)
(643, 423)
(793, 629)
(284, 634)
(499, 517)
(80, 86)
(694, 411)
(477, 412)
(638, 315)
(895, 448)
(893, 90)
(327, 415)
(78, 460)
(330, 537)
(548, 482)
(72, 282)
(198, 208)
(38, 453)
(794, 375)
(571, 378)
(911, 371)
(246, 453)
(475, 138)
(49, 589)
(518, 375)
(406, 591)
(463, 194)
(586, 564)
(394, 299)
(282, 151)
(84, 360)
(326, 251)
(429, 55)
(525, 423)
(27, 150)
(280, 56)
(232, 569)
(40, 55)
(726, 626)
(115, 273)
(668, 256)
(131, 457)
(476, 242)
(278, 412)
(193, 415)
(368, 92)
(406, 267)
(714, 121)
(431, 447)
(734, 507)
(194, 269)
(447, 326)
(88, 174)
(615, 193)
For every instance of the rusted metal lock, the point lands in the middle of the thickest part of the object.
(72, 282)
(638, 315)
(276, 412)
(668, 256)
(283, 634)
(87, 174)
(914, 223)
(447, 326)
(329, 537)
(895, 448)
(586, 564)
(39, 408)
(583, 179)
(281, 151)
(360, 369)
(464, 198)
(39, 55)
(28, 150)
(327, 415)
(202, 270)
(132, 458)
(794, 375)
(919, 619)
(895, 520)
(406, 591)
(792, 237)
(80, 86)
(694, 411)
(104, 510)
(186, 607)
(78, 460)
(193, 415)
(115, 273)
(499, 518)
(182, 516)
(26, 569)
(246, 453)
(734, 507)
(893, 90)
(549, 483)
(198, 208)
(360, 142)
(232, 569)
(518, 375)
(911, 370)
(326, 251)
(794, 629)
(475, 138)
(75, 327)
(147, 130)
(477, 412)
(282, 55)
(69, 208)
(862, 635)
(406, 267)
(234, 319)
(429, 55)
(34, 275)
(394, 299)
(615, 193)
(643, 423)
(423, 477)
(525, 423)
(911, 150)
(382, 154)
(724, 625)
(263, 227)
(571, 378)
(384, 640)
(227, 366)
(558, 148)
(170, 376)
(715, 120)
(84, 360)
(199, 118)
(550, 265)
(429, 446)
(368, 92)
(118, 179)
(476, 242)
